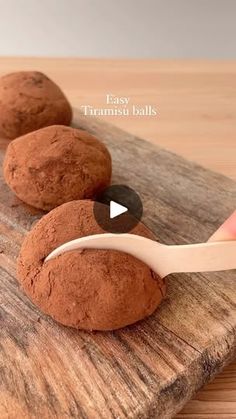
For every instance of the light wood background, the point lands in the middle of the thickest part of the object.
(196, 104)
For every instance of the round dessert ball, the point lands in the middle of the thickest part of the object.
(29, 100)
(86, 289)
(56, 164)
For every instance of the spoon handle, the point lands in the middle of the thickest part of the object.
(163, 259)
(202, 257)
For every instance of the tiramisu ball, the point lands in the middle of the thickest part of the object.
(56, 164)
(29, 100)
(86, 289)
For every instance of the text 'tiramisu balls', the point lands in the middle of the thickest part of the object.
(56, 164)
(29, 100)
(86, 289)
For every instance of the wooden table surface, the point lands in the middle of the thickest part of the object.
(196, 114)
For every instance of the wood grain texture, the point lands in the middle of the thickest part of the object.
(196, 100)
(148, 370)
(215, 400)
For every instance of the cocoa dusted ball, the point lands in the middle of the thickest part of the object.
(29, 100)
(86, 289)
(57, 164)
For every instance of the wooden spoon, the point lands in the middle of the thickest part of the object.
(162, 259)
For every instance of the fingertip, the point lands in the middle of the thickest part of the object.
(227, 230)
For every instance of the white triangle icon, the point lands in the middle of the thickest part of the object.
(116, 209)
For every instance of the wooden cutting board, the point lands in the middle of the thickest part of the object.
(148, 370)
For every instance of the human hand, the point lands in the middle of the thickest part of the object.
(227, 230)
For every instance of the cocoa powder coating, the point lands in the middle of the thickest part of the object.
(56, 164)
(29, 100)
(88, 289)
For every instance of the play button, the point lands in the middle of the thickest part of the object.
(118, 209)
